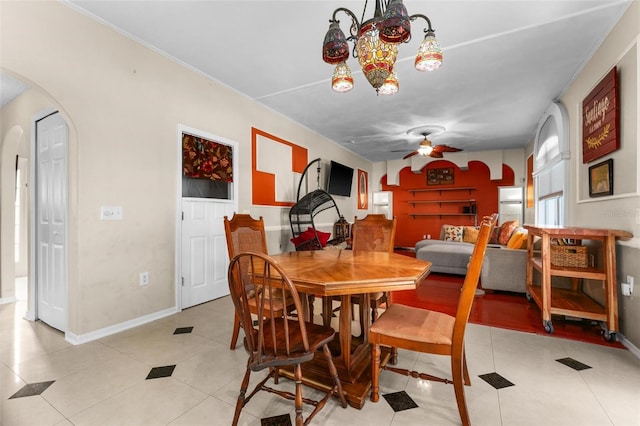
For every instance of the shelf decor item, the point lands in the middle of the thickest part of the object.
(601, 179)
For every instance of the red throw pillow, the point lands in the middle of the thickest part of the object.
(299, 240)
(506, 230)
(309, 235)
(324, 237)
(493, 238)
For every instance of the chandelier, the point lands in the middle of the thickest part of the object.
(376, 46)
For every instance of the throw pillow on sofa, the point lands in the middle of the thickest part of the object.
(518, 239)
(470, 234)
(452, 233)
(495, 233)
(506, 230)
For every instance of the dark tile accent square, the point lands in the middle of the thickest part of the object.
(158, 372)
(282, 420)
(496, 380)
(32, 389)
(400, 401)
(183, 330)
(576, 365)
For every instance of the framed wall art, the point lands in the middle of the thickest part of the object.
(600, 119)
(601, 179)
(363, 189)
(442, 176)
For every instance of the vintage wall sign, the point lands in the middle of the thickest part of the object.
(600, 119)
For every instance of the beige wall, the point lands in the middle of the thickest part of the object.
(123, 104)
(619, 211)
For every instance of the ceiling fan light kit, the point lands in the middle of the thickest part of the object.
(426, 148)
(376, 46)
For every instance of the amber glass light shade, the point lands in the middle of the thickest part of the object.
(429, 57)
(396, 26)
(425, 147)
(342, 80)
(375, 56)
(390, 86)
(335, 48)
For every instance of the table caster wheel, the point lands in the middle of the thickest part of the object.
(528, 296)
(548, 326)
(609, 336)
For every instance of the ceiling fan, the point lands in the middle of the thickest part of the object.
(426, 148)
(429, 150)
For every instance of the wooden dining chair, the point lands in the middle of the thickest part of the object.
(373, 233)
(425, 331)
(277, 340)
(244, 233)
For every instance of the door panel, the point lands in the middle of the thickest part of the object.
(204, 250)
(51, 229)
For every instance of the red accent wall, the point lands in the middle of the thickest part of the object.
(410, 230)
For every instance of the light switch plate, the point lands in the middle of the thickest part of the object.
(110, 213)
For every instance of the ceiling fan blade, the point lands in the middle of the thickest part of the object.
(410, 155)
(445, 148)
(436, 154)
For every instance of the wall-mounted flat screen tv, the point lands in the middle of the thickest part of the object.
(340, 179)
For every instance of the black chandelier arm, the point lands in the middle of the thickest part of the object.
(420, 15)
(355, 24)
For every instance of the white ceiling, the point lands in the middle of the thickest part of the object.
(504, 63)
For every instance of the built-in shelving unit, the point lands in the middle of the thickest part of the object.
(468, 204)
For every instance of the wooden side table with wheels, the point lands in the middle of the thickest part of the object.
(573, 302)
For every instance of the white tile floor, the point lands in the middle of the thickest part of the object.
(104, 382)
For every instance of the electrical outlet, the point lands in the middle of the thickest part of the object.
(110, 213)
(144, 278)
(627, 287)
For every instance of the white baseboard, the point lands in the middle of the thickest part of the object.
(632, 348)
(75, 339)
(5, 300)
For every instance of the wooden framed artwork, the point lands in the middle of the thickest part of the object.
(442, 176)
(601, 179)
(363, 190)
(600, 119)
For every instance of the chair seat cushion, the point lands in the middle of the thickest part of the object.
(414, 324)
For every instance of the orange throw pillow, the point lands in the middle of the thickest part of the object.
(470, 234)
(518, 239)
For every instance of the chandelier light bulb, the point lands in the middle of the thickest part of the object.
(342, 80)
(391, 85)
(429, 57)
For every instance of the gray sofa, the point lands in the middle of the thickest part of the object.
(503, 268)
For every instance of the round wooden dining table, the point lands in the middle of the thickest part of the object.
(345, 273)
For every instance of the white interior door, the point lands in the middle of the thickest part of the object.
(202, 254)
(51, 220)
(204, 250)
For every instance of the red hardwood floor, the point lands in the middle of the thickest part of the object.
(440, 292)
